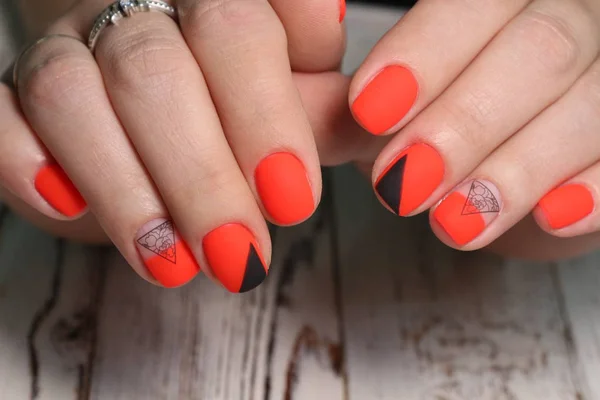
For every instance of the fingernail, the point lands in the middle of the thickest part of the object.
(410, 179)
(566, 205)
(284, 189)
(56, 188)
(386, 99)
(466, 212)
(235, 258)
(165, 254)
(342, 10)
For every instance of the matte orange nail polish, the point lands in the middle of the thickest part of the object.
(284, 189)
(386, 99)
(56, 188)
(465, 213)
(342, 10)
(410, 179)
(566, 205)
(235, 258)
(165, 254)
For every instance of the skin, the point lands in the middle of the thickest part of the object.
(515, 104)
(315, 104)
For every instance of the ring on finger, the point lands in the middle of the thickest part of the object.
(125, 9)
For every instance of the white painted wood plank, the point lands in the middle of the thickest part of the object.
(46, 323)
(26, 271)
(201, 342)
(425, 322)
(580, 281)
(65, 338)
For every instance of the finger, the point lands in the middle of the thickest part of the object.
(85, 229)
(419, 58)
(315, 33)
(241, 48)
(557, 145)
(162, 100)
(570, 209)
(339, 139)
(527, 241)
(500, 92)
(28, 171)
(63, 97)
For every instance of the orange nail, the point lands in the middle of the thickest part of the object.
(234, 257)
(284, 188)
(566, 205)
(410, 179)
(165, 254)
(386, 99)
(342, 10)
(56, 188)
(465, 213)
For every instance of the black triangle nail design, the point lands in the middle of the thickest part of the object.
(389, 187)
(255, 271)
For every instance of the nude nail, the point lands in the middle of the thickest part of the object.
(467, 211)
(165, 254)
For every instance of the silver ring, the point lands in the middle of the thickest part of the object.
(125, 9)
(15, 71)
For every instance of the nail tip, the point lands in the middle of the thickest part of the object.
(165, 254)
(255, 273)
(284, 188)
(566, 205)
(342, 10)
(386, 99)
(55, 187)
(460, 232)
(389, 185)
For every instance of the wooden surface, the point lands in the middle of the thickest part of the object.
(359, 305)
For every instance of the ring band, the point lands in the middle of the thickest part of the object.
(125, 9)
(15, 70)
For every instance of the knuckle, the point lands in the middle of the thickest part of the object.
(208, 18)
(468, 117)
(58, 80)
(209, 182)
(555, 42)
(136, 60)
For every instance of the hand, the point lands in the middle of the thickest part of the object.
(496, 104)
(201, 129)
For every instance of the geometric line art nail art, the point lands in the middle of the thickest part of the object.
(480, 200)
(161, 241)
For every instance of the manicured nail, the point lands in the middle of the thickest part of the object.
(386, 99)
(235, 258)
(56, 188)
(566, 205)
(466, 212)
(165, 254)
(342, 10)
(284, 188)
(410, 179)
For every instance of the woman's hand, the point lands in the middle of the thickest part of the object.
(201, 128)
(497, 107)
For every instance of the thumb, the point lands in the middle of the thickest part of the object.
(338, 137)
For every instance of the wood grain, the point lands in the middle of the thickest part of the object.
(48, 292)
(359, 305)
(431, 323)
(278, 342)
